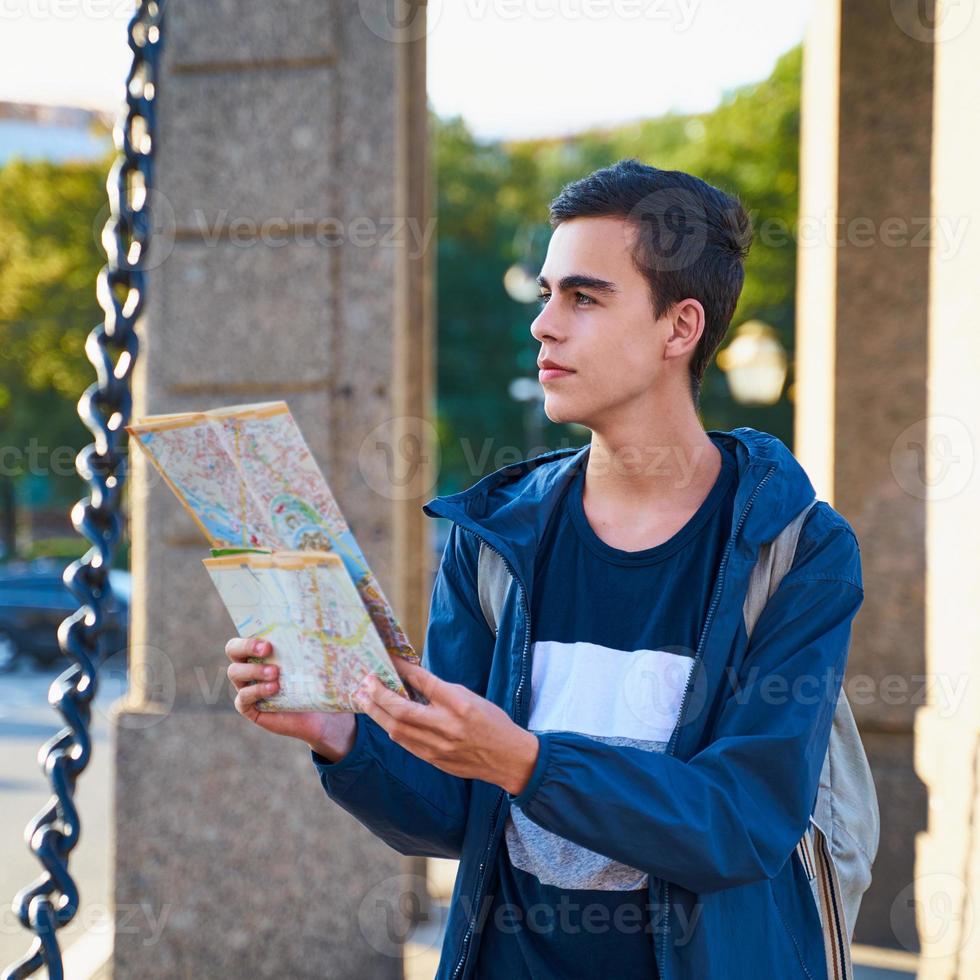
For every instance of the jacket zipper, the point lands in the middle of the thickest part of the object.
(697, 658)
(500, 797)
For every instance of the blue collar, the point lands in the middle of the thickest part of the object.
(511, 506)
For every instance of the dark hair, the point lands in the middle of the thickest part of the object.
(692, 241)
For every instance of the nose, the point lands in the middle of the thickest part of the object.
(546, 325)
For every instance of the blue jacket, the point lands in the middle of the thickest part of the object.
(715, 819)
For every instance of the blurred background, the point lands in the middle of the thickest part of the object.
(500, 152)
(476, 118)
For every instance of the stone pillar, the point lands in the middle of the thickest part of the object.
(883, 420)
(947, 727)
(293, 194)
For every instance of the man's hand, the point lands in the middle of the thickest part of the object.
(330, 734)
(457, 731)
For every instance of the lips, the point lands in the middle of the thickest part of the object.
(550, 371)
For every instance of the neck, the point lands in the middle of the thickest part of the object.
(663, 457)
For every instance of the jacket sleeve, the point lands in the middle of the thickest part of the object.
(733, 812)
(410, 804)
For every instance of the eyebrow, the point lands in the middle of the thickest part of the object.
(568, 283)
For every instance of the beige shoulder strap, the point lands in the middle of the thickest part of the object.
(814, 851)
(491, 581)
(775, 560)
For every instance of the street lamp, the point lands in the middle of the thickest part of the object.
(530, 394)
(521, 279)
(525, 390)
(521, 284)
(755, 364)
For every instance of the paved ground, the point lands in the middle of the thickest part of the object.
(880, 973)
(26, 720)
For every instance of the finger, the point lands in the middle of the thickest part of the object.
(241, 648)
(424, 681)
(250, 693)
(401, 730)
(241, 674)
(393, 704)
(374, 711)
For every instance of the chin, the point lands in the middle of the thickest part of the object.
(560, 410)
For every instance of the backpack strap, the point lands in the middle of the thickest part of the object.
(813, 851)
(491, 584)
(826, 888)
(774, 561)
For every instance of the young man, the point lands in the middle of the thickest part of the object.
(622, 774)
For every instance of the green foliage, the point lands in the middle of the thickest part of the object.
(490, 194)
(50, 218)
(479, 327)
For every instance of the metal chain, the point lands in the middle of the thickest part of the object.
(52, 900)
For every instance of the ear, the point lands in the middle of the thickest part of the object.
(687, 326)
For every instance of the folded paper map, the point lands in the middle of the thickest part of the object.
(305, 604)
(247, 477)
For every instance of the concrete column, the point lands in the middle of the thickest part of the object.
(291, 164)
(947, 727)
(883, 419)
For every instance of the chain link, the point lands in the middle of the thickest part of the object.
(52, 900)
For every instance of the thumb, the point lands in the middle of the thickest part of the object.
(424, 681)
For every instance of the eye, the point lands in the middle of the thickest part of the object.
(544, 297)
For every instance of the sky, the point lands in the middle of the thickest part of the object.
(511, 68)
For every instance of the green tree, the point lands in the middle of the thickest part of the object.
(49, 261)
(490, 195)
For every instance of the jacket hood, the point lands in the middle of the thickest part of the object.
(511, 506)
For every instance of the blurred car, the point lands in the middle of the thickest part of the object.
(34, 600)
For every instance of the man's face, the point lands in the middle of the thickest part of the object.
(597, 319)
